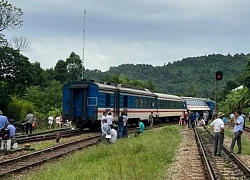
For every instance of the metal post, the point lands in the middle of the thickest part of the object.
(83, 43)
(216, 88)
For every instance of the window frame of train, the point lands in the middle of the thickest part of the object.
(125, 101)
(108, 100)
(137, 100)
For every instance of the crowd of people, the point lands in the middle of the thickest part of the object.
(109, 134)
(196, 119)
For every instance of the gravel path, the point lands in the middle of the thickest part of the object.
(188, 164)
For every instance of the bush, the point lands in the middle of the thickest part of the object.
(18, 109)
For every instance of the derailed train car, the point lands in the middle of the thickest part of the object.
(85, 101)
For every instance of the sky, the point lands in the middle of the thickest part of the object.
(132, 31)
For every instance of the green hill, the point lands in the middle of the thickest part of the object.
(190, 76)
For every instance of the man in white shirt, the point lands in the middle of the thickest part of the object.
(218, 125)
(110, 119)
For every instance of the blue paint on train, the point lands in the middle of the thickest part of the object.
(82, 100)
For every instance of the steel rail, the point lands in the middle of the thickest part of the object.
(236, 160)
(39, 157)
(210, 172)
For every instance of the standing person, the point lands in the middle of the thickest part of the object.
(151, 119)
(103, 117)
(110, 119)
(205, 117)
(238, 130)
(185, 118)
(29, 120)
(3, 120)
(125, 125)
(58, 120)
(197, 116)
(218, 125)
(120, 126)
(50, 122)
(192, 119)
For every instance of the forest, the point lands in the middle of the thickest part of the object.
(25, 85)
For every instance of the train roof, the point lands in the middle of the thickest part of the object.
(83, 84)
(168, 96)
(136, 91)
(195, 98)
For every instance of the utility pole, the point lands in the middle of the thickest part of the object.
(83, 43)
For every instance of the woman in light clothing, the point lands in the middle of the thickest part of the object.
(50, 121)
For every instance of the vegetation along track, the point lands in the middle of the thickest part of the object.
(22, 162)
(226, 166)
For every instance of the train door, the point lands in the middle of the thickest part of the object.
(117, 104)
(77, 102)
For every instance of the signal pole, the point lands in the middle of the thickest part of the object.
(218, 77)
(83, 43)
(215, 93)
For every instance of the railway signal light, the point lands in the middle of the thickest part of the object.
(219, 75)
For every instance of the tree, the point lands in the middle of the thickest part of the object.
(45, 99)
(16, 70)
(60, 71)
(20, 43)
(10, 16)
(74, 66)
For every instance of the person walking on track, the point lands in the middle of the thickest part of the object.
(238, 130)
(218, 125)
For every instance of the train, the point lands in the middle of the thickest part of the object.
(84, 103)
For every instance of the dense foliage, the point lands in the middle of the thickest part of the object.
(193, 76)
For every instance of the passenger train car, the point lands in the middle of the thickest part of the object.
(200, 104)
(85, 101)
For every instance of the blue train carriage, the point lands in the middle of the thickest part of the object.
(211, 105)
(84, 102)
(169, 107)
(138, 103)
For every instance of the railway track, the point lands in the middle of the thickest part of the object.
(226, 166)
(44, 132)
(20, 163)
(44, 137)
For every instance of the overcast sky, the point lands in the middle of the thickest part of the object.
(133, 31)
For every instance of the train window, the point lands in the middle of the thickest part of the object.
(136, 102)
(92, 101)
(141, 102)
(146, 102)
(125, 101)
(107, 100)
(150, 103)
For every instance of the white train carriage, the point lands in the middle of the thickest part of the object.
(170, 106)
(137, 103)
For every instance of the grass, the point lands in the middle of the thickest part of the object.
(227, 165)
(145, 157)
(245, 142)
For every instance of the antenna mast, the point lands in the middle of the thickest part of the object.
(83, 43)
